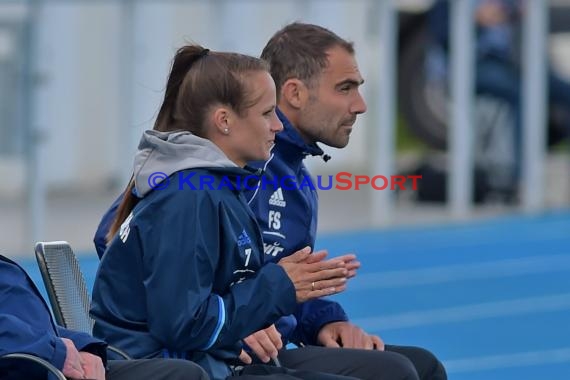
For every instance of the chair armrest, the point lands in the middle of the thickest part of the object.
(119, 352)
(44, 363)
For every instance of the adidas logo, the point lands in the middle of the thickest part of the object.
(125, 228)
(277, 199)
(243, 239)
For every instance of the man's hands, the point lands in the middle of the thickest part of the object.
(72, 365)
(314, 277)
(264, 343)
(347, 335)
(92, 365)
(81, 365)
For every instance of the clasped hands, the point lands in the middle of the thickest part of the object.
(315, 277)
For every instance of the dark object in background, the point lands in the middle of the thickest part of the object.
(424, 103)
(433, 185)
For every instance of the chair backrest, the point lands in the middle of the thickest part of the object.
(65, 285)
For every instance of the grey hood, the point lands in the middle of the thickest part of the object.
(162, 153)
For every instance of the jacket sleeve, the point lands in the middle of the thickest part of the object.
(85, 342)
(181, 257)
(312, 316)
(100, 239)
(25, 322)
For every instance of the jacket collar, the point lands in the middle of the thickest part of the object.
(293, 139)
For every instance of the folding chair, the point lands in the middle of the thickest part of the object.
(66, 287)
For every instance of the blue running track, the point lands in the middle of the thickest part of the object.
(491, 299)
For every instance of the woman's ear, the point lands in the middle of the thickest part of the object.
(294, 93)
(222, 120)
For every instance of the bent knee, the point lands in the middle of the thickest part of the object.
(185, 370)
(403, 368)
(425, 362)
(387, 365)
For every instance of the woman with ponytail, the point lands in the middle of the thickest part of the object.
(183, 276)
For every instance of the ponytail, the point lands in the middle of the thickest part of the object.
(125, 207)
(198, 79)
(183, 61)
(165, 121)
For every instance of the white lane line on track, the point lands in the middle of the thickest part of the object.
(460, 272)
(522, 359)
(469, 312)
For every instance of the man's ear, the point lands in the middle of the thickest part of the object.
(294, 93)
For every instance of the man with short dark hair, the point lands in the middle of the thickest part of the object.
(317, 81)
(26, 326)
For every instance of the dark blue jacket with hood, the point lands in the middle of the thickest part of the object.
(286, 206)
(185, 276)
